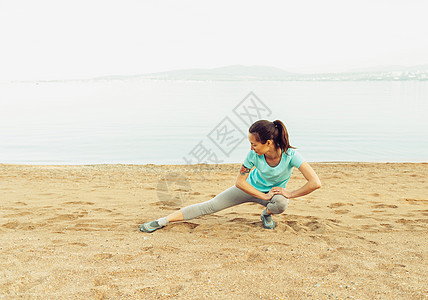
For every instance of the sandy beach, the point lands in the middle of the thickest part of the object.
(72, 232)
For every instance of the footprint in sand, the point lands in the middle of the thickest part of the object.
(294, 225)
(384, 206)
(415, 201)
(11, 225)
(101, 256)
(24, 213)
(66, 217)
(79, 203)
(241, 224)
(360, 217)
(78, 244)
(413, 224)
(103, 210)
(19, 225)
(235, 213)
(240, 220)
(183, 227)
(368, 227)
(256, 257)
(316, 227)
(339, 204)
(148, 249)
(405, 221)
(341, 211)
(334, 221)
(387, 226)
(304, 225)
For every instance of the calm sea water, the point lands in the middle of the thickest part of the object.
(160, 122)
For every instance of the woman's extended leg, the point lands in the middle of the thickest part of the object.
(230, 197)
(175, 216)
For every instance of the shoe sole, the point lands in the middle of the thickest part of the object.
(264, 224)
(144, 228)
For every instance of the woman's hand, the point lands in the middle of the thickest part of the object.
(269, 195)
(277, 190)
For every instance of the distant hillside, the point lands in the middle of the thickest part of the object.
(236, 72)
(266, 73)
(380, 69)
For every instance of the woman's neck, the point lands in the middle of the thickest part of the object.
(273, 154)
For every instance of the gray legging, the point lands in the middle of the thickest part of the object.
(231, 197)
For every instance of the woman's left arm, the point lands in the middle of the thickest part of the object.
(313, 183)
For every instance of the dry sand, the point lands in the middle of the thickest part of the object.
(72, 232)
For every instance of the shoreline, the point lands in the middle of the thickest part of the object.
(203, 164)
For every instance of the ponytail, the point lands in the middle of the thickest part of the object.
(282, 139)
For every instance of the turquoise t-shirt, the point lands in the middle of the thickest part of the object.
(263, 177)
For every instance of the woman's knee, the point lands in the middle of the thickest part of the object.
(278, 204)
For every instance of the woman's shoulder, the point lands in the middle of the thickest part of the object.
(294, 157)
(252, 153)
(291, 151)
(251, 158)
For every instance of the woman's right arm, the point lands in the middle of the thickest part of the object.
(241, 183)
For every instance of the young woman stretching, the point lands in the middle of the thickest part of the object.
(273, 158)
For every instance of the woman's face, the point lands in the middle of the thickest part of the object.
(258, 147)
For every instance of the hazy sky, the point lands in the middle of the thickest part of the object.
(78, 39)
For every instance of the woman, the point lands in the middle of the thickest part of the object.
(273, 159)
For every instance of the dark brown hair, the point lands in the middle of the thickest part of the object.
(265, 130)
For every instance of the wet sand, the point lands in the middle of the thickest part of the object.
(72, 232)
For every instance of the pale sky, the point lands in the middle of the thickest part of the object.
(57, 39)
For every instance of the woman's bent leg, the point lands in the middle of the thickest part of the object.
(230, 197)
(278, 204)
